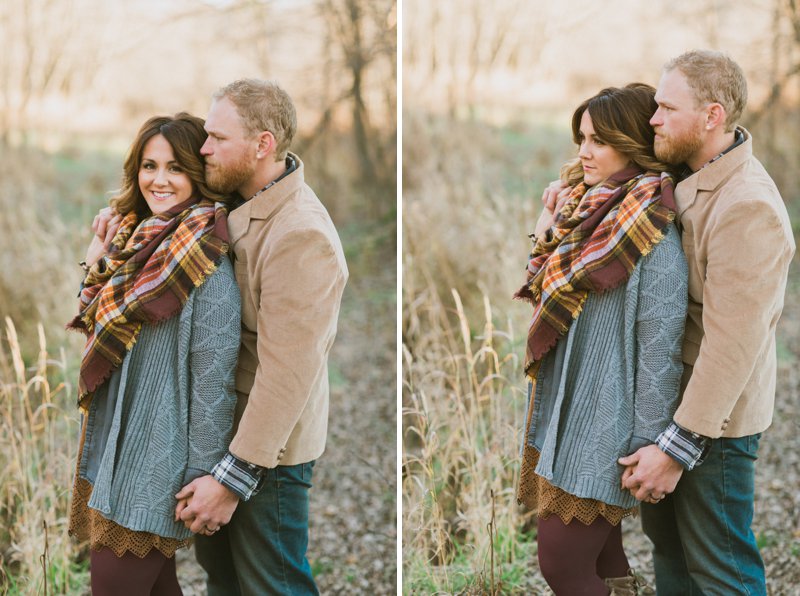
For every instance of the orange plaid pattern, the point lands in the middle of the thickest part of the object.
(594, 245)
(146, 277)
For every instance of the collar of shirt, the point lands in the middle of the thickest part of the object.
(685, 171)
(291, 166)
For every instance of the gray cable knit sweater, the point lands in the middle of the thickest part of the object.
(611, 385)
(165, 416)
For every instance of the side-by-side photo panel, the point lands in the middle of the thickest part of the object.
(600, 298)
(198, 297)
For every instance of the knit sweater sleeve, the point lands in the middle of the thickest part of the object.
(660, 320)
(213, 351)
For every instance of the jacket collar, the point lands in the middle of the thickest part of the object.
(265, 204)
(710, 177)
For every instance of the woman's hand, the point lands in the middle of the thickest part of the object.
(544, 223)
(554, 195)
(105, 226)
(553, 199)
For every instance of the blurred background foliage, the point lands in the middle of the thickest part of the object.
(488, 92)
(77, 79)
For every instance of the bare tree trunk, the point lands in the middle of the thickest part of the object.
(357, 63)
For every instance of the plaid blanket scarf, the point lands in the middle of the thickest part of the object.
(146, 277)
(593, 246)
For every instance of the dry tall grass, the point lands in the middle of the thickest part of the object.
(464, 395)
(462, 422)
(38, 435)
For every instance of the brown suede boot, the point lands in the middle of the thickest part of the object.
(630, 585)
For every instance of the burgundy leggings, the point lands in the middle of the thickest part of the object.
(128, 575)
(575, 558)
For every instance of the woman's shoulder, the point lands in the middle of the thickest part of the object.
(221, 283)
(667, 255)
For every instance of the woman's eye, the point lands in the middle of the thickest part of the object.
(148, 166)
(176, 170)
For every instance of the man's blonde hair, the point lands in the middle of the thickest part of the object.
(263, 105)
(714, 78)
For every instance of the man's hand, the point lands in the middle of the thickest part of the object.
(650, 474)
(205, 505)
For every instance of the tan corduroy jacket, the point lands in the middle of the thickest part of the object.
(291, 272)
(738, 243)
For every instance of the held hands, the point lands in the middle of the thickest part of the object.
(105, 226)
(205, 505)
(650, 474)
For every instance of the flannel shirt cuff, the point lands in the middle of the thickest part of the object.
(687, 448)
(238, 475)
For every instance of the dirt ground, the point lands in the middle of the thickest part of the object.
(353, 529)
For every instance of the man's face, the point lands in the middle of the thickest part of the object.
(229, 151)
(678, 121)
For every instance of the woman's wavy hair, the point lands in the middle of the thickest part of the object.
(621, 119)
(186, 135)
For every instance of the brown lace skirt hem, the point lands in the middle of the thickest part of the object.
(538, 495)
(87, 524)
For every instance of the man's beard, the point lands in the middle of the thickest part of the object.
(676, 150)
(228, 179)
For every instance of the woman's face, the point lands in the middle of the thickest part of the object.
(598, 159)
(162, 181)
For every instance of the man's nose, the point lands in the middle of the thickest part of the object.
(656, 118)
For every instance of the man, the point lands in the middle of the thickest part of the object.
(738, 242)
(291, 272)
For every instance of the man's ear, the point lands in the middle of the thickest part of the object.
(715, 116)
(266, 144)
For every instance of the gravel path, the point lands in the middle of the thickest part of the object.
(353, 527)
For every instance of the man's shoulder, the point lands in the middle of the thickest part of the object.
(747, 184)
(751, 189)
(303, 211)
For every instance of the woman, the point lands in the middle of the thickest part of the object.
(608, 282)
(161, 312)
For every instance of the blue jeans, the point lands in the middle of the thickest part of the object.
(263, 548)
(702, 540)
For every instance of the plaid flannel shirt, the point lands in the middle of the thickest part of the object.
(241, 477)
(687, 448)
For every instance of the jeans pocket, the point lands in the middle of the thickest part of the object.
(752, 445)
(296, 475)
(308, 469)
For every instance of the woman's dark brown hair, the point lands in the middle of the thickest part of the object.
(621, 119)
(186, 136)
